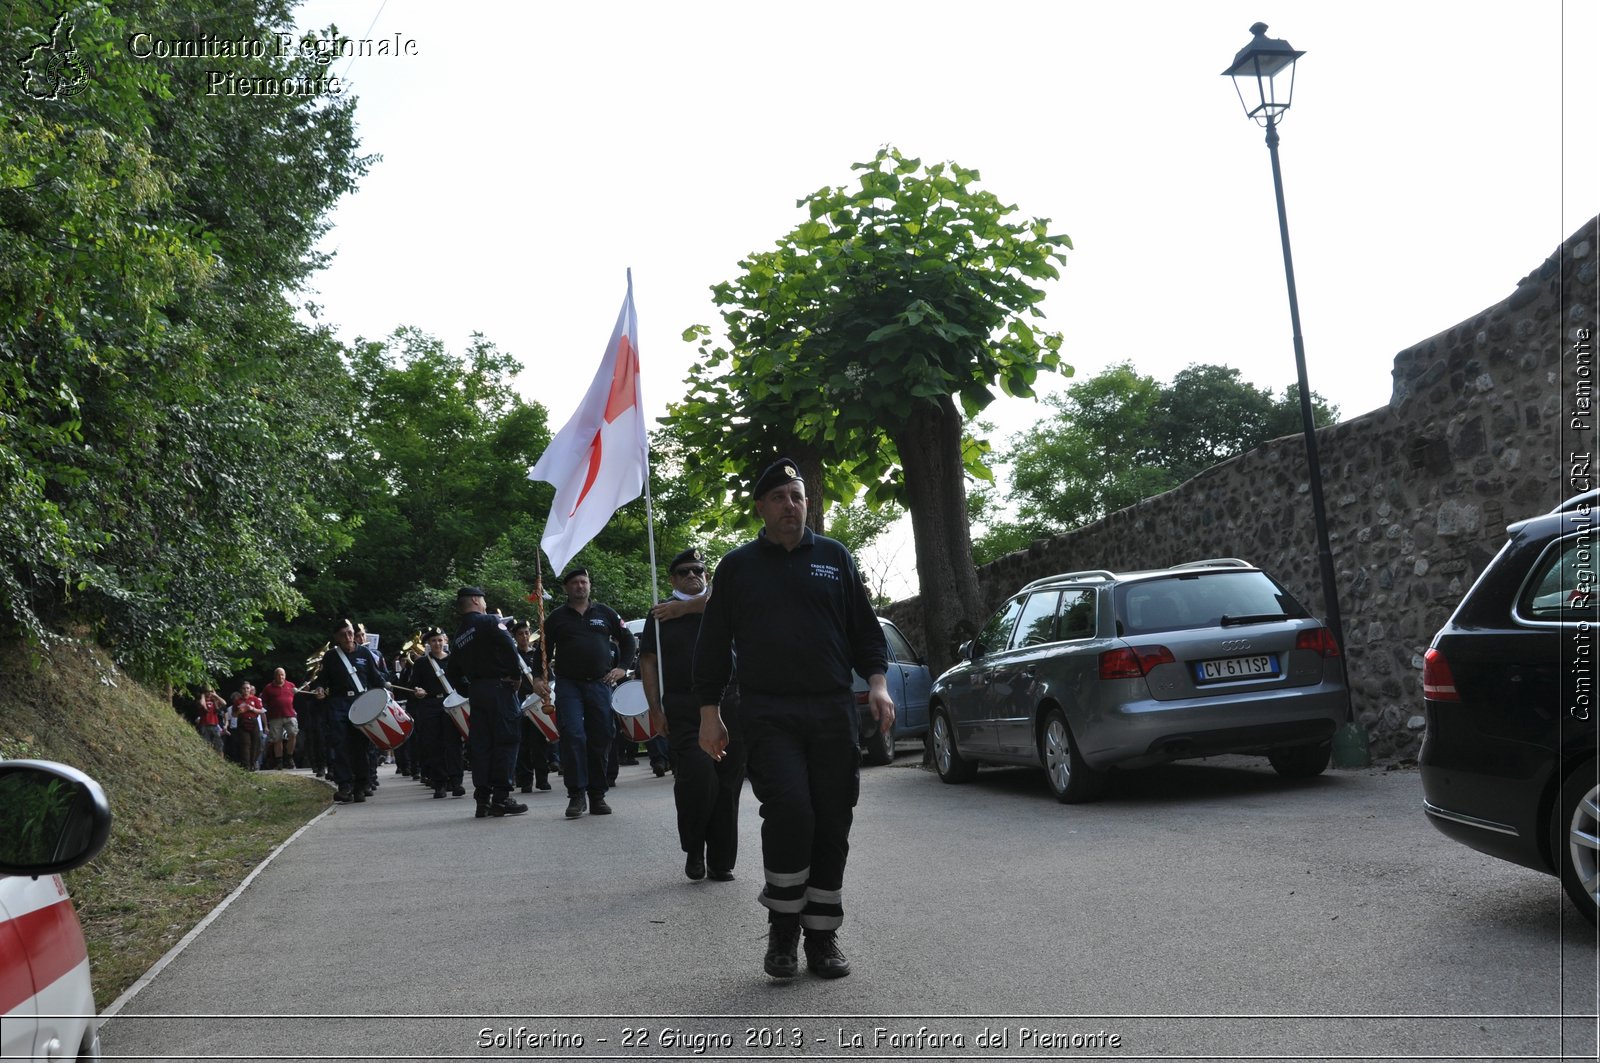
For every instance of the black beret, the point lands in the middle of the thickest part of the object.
(685, 558)
(469, 592)
(783, 471)
(519, 625)
(573, 574)
(432, 633)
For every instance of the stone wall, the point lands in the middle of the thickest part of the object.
(1418, 493)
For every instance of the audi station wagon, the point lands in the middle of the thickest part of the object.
(1508, 758)
(1087, 671)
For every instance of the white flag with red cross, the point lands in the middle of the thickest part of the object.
(598, 461)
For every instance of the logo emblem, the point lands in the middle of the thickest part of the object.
(788, 470)
(54, 69)
(1236, 645)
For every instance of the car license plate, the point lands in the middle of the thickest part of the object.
(1261, 666)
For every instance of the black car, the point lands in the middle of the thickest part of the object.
(1508, 686)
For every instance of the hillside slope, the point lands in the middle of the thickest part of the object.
(188, 826)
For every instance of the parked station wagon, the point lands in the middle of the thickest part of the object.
(1086, 671)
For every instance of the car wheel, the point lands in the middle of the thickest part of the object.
(1300, 762)
(1575, 834)
(1071, 778)
(947, 760)
(880, 747)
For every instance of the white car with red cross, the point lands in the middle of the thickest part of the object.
(52, 819)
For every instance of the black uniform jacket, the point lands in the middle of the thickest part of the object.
(335, 677)
(800, 621)
(483, 649)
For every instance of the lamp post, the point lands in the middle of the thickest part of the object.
(1263, 75)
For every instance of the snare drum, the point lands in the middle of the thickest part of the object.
(380, 719)
(458, 708)
(542, 715)
(633, 711)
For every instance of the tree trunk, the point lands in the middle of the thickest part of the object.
(810, 468)
(929, 441)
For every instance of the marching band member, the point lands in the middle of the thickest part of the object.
(437, 740)
(533, 754)
(486, 665)
(345, 672)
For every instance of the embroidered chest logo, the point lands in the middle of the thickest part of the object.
(822, 571)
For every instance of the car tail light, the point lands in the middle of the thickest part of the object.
(863, 697)
(1133, 662)
(1318, 640)
(1438, 684)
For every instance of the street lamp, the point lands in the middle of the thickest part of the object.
(1263, 75)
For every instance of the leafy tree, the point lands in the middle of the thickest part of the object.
(433, 474)
(156, 386)
(1121, 436)
(862, 342)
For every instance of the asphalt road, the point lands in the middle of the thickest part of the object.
(1200, 911)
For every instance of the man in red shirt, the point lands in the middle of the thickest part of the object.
(283, 726)
(247, 713)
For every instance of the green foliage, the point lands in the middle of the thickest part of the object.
(1121, 436)
(859, 345)
(914, 286)
(162, 408)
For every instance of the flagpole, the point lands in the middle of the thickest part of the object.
(655, 593)
(538, 594)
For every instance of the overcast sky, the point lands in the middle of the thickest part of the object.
(1435, 153)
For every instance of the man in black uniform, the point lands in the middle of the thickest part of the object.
(484, 664)
(533, 752)
(437, 740)
(706, 791)
(792, 607)
(590, 652)
(347, 670)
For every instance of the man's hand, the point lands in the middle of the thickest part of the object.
(419, 692)
(542, 688)
(713, 732)
(881, 704)
(615, 676)
(673, 608)
(658, 721)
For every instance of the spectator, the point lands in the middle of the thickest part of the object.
(247, 713)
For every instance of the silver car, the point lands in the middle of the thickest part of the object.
(1086, 671)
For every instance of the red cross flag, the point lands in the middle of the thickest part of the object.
(597, 461)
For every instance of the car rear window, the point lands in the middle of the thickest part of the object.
(1202, 599)
(1562, 587)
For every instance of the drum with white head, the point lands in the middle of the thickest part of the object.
(381, 719)
(633, 711)
(458, 708)
(542, 714)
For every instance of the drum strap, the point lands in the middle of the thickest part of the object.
(361, 687)
(448, 689)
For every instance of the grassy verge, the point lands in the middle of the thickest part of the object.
(187, 828)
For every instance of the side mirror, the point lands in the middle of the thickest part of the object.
(52, 818)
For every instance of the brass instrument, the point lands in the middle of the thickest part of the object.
(314, 665)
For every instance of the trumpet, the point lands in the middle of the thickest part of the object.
(314, 664)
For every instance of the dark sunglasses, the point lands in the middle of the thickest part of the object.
(689, 570)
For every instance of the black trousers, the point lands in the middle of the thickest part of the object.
(438, 743)
(804, 760)
(494, 738)
(706, 791)
(533, 754)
